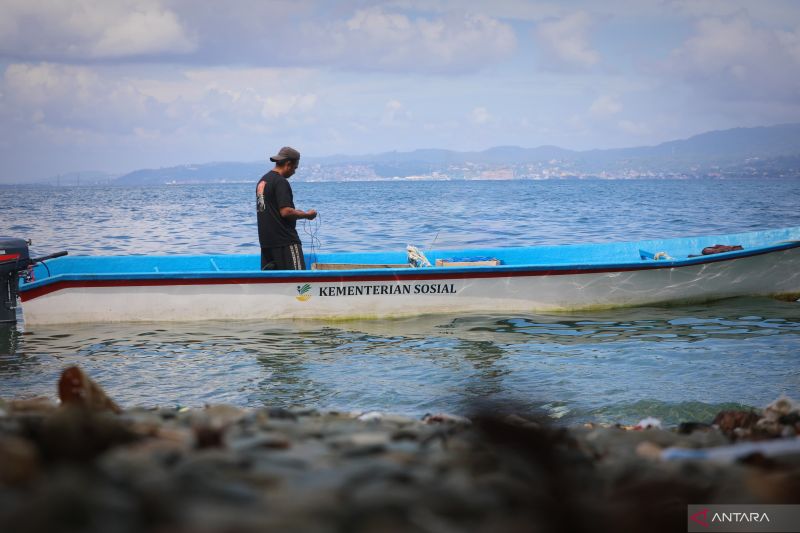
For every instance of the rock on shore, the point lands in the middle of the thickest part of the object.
(87, 465)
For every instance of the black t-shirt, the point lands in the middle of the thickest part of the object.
(273, 229)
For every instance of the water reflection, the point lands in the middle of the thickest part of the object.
(610, 365)
(733, 319)
(9, 340)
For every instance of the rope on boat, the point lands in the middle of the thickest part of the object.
(311, 228)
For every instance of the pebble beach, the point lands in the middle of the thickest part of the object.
(86, 464)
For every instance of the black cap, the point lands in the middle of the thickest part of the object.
(287, 152)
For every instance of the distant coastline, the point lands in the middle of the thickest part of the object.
(762, 152)
(113, 184)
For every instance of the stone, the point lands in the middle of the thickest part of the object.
(75, 468)
(222, 415)
(443, 418)
(398, 420)
(278, 413)
(791, 419)
(19, 460)
(619, 443)
(648, 450)
(134, 464)
(261, 440)
(360, 443)
(686, 428)
(728, 421)
(781, 407)
(77, 389)
(766, 426)
(303, 411)
(77, 434)
(37, 405)
(209, 437)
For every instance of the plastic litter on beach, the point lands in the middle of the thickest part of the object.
(370, 416)
(647, 423)
(729, 454)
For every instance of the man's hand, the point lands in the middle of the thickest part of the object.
(311, 214)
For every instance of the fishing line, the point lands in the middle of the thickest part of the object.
(311, 228)
(430, 246)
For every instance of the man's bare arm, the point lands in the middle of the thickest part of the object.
(295, 214)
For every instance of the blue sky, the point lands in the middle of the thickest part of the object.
(117, 85)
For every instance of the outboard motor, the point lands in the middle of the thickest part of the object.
(14, 258)
(15, 261)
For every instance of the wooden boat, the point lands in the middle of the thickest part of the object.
(382, 284)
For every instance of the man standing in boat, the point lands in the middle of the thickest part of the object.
(281, 248)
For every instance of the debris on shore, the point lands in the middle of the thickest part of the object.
(87, 465)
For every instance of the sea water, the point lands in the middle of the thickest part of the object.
(673, 362)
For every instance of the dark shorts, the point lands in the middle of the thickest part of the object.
(283, 258)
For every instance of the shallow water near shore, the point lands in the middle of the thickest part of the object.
(677, 363)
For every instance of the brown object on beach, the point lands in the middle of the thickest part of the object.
(19, 460)
(730, 420)
(720, 248)
(77, 389)
(39, 405)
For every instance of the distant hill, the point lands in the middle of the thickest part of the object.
(207, 172)
(761, 151)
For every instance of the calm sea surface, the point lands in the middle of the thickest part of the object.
(676, 363)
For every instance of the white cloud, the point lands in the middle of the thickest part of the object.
(507, 9)
(773, 13)
(777, 12)
(75, 98)
(634, 128)
(790, 40)
(99, 100)
(258, 78)
(394, 113)
(376, 39)
(565, 43)
(373, 38)
(148, 31)
(245, 93)
(733, 58)
(605, 106)
(284, 104)
(90, 29)
(480, 115)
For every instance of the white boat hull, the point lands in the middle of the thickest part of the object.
(377, 296)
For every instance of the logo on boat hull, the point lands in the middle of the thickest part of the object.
(303, 292)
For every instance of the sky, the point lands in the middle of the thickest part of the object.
(119, 85)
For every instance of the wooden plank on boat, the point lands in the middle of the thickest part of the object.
(446, 263)
(354, 266)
